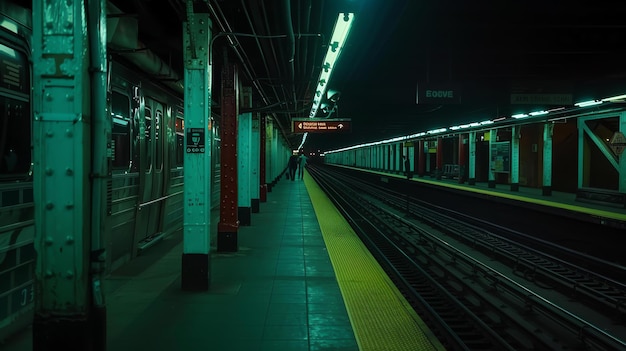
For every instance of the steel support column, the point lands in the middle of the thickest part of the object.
(515, 135)
(244, 148)
(101, 167)
(411, 156)
(273, 154)
(69, 306)
(375, 157)
(421, 158)
(492, 162)
(228, 225)
(439, 160)
(262, 158)
(462, 157)
(547, 159)
(471, 174)
(196, 272)
(621, 158)
(385, 158)
(255, 164)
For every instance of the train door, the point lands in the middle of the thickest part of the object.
(151, 172)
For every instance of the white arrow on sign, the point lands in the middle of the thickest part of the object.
(300, 125)
(340, 125)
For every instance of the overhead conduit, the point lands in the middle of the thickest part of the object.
(122, 37)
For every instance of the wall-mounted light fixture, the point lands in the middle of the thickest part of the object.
(336, 44)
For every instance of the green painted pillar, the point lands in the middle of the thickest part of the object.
(244, 159)
(621, 156)
(196, 270)
(547, 159)
(263, 161)
(471, 172)
(462, 157)
(439, 159)
(255, 163)
(493, 133)
(70, 136)
(272, 158)
(515, 135)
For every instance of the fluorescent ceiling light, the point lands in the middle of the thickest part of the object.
(539, 113)
(336, 44)
(520, 115)
(613, 98)
(588, 103)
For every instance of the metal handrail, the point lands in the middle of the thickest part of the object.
(140, 206)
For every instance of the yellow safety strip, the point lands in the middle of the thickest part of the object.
(381, 317)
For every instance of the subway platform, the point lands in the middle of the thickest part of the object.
(300, 280)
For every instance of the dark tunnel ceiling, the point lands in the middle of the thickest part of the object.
(489, 49)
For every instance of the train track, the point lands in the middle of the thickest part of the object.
(459, 287)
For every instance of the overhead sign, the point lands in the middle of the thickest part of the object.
(439, 94)
(618, 143)
(320, 125)
(542, 99)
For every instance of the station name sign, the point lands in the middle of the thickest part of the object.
(439, 94)
(320, 125)
(542, 99)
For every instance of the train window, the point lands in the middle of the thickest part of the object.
(15, 140)
(147, 153)
(120, 143)
(180, 141)
(158, 121)
(15, 120)
(14, 70)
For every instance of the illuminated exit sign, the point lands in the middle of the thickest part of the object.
(320, 125)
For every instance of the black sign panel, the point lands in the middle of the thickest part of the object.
(195, 140)
(320, 125)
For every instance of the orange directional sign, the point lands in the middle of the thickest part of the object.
(320, 125)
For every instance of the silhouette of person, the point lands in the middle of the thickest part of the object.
(407, 167)
(301, 164)
(293, 166)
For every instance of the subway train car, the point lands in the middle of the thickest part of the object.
(145, 188)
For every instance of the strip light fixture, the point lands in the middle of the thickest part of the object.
(588, 103)
(617, 99)
(335, 46)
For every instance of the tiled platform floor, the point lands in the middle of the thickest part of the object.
(278, 292)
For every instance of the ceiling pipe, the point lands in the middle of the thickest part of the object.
(258, 44)
(277, 63)
(279, 71)
(122, 38)
(314, 73)
(214, 8)
(239, 52)
(291, 48)
(305, 46)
